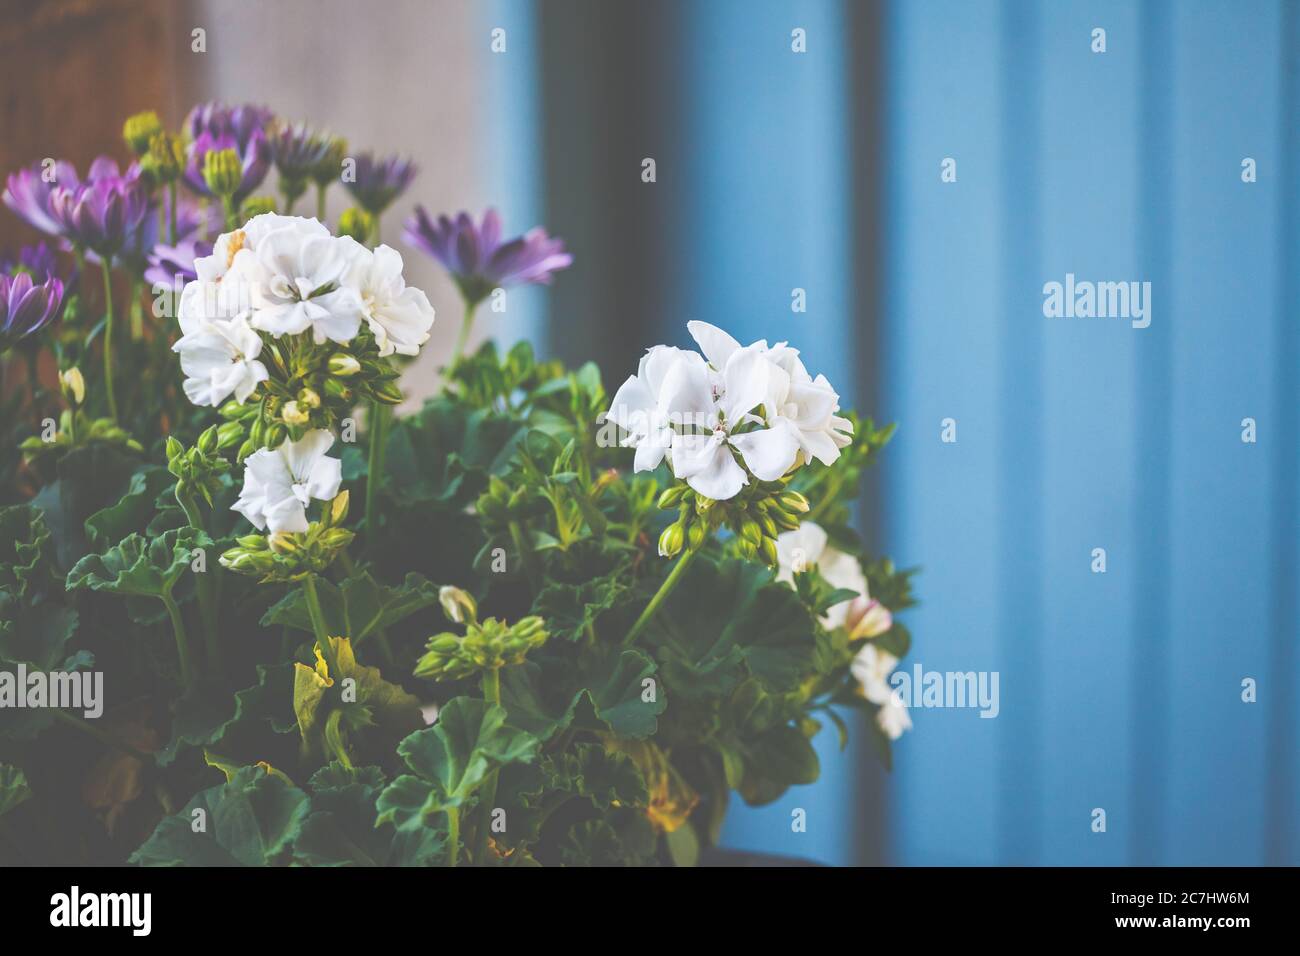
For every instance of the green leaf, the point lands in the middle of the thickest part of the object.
(357, 608)
(250, 821)
(133, 512)
(38, 635)
(570, 610)
(209, 718)
(26, 554)
(617, 695)
(726, 619)
(470, 739)
(343, 828)
(378, 711)
(140, 567)
(13, 788)
(90, 479)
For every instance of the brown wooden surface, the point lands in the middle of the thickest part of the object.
(71, 71)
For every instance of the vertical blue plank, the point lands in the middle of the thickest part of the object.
(1019, 437)
(1282, 823)
(1220, 307)
(1090, 208)
(1150, 469)
(940, 349)
(512, 154)
(765, 193)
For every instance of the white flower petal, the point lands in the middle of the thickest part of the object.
(768, 452)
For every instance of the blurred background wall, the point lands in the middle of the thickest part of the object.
(778, 170)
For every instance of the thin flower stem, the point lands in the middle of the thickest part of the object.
(320, 202)
(375, 466)
(492, 694)
(171, 210)
(318, 626)
(103, 736)
(182, 641)
(108, 340)
(525, 555)
(670, 582)
(453, 835)
(465, 323)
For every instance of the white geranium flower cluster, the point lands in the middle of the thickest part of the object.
(861, 617)
(286, 275)
(283, 276)
(728, 414)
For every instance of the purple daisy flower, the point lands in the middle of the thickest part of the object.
(254, 157)
(477, 259)
(26, 307)
(38, 260)
(380, 181)
(297, 149)
(174, 265)
(104, 213)
(217, 119)
(27, 193)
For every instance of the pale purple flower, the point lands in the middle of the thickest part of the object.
(37, 259)
(169, 265)
(218, 119)
(26, 307)
(105, 213)
(27, 193)
(380, 181)
(477, 259)
(297, 149)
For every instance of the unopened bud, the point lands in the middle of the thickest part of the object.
(344, 365)
(139, 130)
(73, 386)
(671, 540)
(222, 171)
(458, 605)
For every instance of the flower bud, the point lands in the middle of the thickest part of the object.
(165, 158)
(308, 398)
(174, 448)
(207, 442)
(339, 508)
(275, 435)
(750, 531)
(357, 223)
(257, 205)
(793, 502)
(671, 497)
(336, 538)
(335, 389)
(253, 542)
(458, 605)
(222, 171)
(344, 365)
(671, 540)
(697, 535)
(768, 550)
(229, 434)
(139, 130)
(284, 542)
(73, 386)
(387, 392)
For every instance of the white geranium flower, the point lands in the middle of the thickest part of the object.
(293, 269)
(219, 359)
(279, 483)
(399, 316)
(638, 408)
(794, 400)
(807, 546)
(871, 668)
(722, 402)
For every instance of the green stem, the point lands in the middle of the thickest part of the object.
(453, 835)
(206, 589)
(182, 641)
(103, 736)
(108, 340)
(670, 582)
(318, 626)
(375, 466)
(525, 555)
(171, 210)
(320, 202)
(465, 323)
(492, 694)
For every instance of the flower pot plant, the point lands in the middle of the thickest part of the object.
(260, 620)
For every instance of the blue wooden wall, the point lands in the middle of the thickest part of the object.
(1121, 690)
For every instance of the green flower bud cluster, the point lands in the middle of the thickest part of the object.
(198, 470)
(76, 428)
(501, 504)
(165, 158)
(756, 516)
(257, 205)
(485, 646)
(291, 556)
(310, 386)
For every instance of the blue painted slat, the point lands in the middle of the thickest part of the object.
(1220, 306)
(765, 193)
(1089, 200)
(940, 348)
